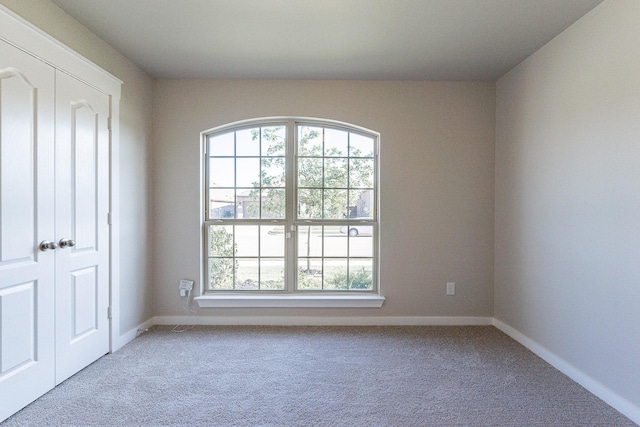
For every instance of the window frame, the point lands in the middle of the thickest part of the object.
(291, 295)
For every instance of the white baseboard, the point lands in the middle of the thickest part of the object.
(613, 399)
(325, 321)
(129, 336)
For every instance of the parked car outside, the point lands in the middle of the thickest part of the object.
(357, 230)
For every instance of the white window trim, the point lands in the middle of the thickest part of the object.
(289, 301)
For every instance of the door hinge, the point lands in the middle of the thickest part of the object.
(109, 218)
(109, 313)
(109, 123)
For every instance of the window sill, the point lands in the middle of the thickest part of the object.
(292, 301)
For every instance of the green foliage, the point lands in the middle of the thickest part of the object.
(222, 268)
(309, 279)
(272, 199)
(360, 279)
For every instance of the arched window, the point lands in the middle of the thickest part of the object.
(290, 206)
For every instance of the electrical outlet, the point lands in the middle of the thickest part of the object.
(451, 288)
(186, 285)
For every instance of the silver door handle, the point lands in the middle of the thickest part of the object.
(64, 243)
(45, 245)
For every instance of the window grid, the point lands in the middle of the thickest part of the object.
(223, 260)
(337, 272)
(353, 279)
(243, 191)
(307, 186)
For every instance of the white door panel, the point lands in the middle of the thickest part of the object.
(17, 172)
(18, 308)
(82, 198)
(26, 219)
(84, 167)
(84, 292)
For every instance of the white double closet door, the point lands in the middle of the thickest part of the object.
(54, 231)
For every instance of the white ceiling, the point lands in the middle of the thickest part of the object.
(327, 39)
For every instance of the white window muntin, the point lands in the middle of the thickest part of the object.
(291, 222)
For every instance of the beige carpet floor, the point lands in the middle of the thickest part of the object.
(320, 376)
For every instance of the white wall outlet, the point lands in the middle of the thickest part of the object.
(451, 288)
(186, 286)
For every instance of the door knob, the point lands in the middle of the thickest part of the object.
(45, 245)
(64, 243)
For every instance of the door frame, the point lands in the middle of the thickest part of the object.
(23, 35)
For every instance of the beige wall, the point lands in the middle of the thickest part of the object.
(136, 305)
(437, 183)
(567, 184)
(567, 267)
